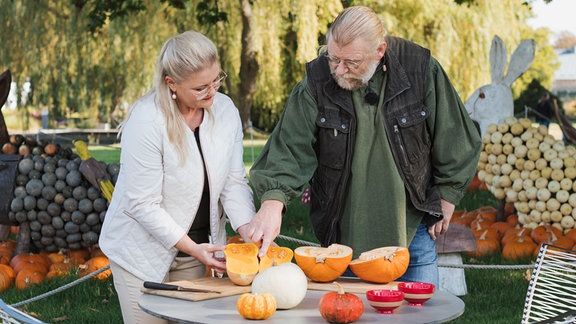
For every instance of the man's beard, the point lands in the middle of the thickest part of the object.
(350, 82)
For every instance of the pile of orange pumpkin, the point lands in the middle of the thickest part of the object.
(509, 238)
(25, 269)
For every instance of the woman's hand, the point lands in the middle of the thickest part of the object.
(203, 252)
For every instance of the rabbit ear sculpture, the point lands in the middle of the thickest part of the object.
(492, 103)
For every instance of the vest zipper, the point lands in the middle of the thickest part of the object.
(400, 145)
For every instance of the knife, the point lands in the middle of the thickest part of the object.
(163, 286)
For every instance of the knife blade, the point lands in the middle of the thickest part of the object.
(163, 286)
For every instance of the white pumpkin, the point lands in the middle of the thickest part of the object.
(286, 282)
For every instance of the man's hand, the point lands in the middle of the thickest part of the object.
(265, 225)
(442, 226)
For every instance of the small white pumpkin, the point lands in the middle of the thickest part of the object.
(286, 282)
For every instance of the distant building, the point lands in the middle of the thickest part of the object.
(564, 84)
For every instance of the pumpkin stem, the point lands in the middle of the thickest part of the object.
(340, 288)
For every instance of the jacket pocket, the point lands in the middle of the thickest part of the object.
(414, 135)
(332, 141)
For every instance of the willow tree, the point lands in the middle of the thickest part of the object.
(91, 57)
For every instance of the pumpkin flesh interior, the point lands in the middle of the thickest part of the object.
(381, 265)
(274, 256)
(241, 258)
(323, 264)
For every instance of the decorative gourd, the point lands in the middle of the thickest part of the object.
(256, 306)
(340, 307)
(286, 282)
(275, 255)
(241, 262)
(323, 264)
(381, 265)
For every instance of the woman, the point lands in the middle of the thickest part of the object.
(182, 172)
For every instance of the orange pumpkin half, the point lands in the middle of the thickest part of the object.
(323, 264)
(381, 265)
(241, 262)
(274, 256)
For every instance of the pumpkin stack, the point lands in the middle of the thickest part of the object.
(528, 167)
(51, 196)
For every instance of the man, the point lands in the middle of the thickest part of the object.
(383, 140)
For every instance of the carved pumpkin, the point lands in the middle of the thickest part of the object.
(241, 262)
(381, 265)
(286, 282)
(323, 264)
(274, 256)
(256, 306)
(340, 307)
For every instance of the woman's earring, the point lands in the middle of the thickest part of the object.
(174, 96)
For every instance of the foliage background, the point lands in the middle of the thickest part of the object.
(88, 60)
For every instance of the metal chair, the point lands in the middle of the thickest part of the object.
(551, 295)
(11, 315)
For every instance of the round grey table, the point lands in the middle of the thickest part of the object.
(442, 307)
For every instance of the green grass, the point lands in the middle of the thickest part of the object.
(494, 296)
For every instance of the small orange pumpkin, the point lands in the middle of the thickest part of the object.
(256, 306)
(521, 248)
(94, 264)
(381, 265)
(27, 277)
(340, 307)
(7, 277)
(323, 264)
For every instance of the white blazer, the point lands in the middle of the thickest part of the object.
(155, 199)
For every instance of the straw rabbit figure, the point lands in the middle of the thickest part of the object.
(492, 103)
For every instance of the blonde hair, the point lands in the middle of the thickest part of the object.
(357, 22)
(180, 56)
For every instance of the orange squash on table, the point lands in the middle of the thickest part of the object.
(274, 256)
(241, 262)
(381, 265)
(323, 264)
(256, 306)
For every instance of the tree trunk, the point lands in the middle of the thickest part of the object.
(23, 245)
(248, 66)
(4, 232)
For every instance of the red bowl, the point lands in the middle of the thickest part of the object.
(416, 293)
(385, 301)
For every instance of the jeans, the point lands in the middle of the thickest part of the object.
(423, 265)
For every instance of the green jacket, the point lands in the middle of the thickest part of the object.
(289, 159)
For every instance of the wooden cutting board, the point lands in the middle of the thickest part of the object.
(228, 288)
(351, 285)
(223, 285)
